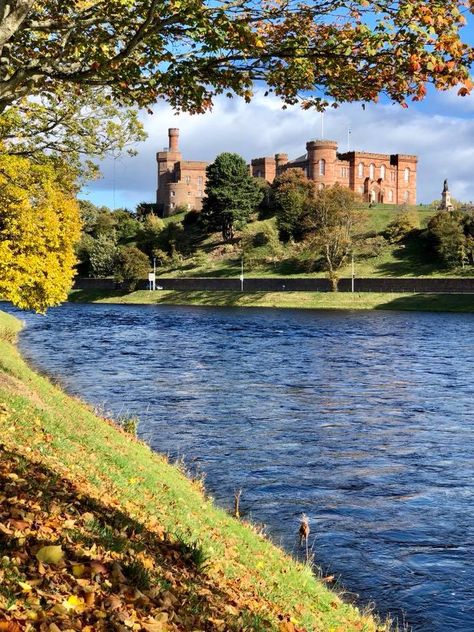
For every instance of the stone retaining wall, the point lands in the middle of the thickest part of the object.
(435, 285)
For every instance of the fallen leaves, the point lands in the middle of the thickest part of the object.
(71, 562)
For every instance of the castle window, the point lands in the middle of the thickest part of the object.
(345, 172)
(406, 196)
(188, 179)
(390, 195)
(172, 193)
(406, 175)
(382, 172)
(199, 193)
(361, 188)
(372, 171)
(189, 192)
(199, 181)
(258, 174)
(393, 176)
(322, 167)
(361, 169)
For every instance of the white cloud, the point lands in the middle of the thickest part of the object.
(443, 141)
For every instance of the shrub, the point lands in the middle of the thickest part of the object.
(371, 246)
(131, 266)
(402, 225)
(102, 256)
(191, 218)
(260, 244)
(450, 238)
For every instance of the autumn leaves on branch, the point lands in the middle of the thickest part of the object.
(188, 51)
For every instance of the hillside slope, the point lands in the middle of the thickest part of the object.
(97, 532)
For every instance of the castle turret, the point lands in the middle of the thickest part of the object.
(322, 156)
(173, 136)
(281, 160)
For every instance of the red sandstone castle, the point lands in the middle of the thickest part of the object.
(378, 178)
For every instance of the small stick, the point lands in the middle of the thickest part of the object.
(304, 533)
(237, 495)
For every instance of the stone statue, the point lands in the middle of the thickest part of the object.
(446, 204)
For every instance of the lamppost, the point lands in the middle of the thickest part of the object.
(353, 273)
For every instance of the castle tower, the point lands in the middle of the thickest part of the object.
(322, 157)
(281, 160)
(173, 138)
(446, 204)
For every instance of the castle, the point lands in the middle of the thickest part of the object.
(378, 178)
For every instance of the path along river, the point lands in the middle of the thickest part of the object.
(362, 420)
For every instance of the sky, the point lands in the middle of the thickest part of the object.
(439, 130)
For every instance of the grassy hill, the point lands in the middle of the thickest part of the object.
(209, 256)
(97, 532)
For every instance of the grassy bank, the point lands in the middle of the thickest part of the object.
(97, 532)
(308, 300)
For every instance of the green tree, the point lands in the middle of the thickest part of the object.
(332, 224)
(231, 194)
(449, 234)
(293, 194)
(102, 256)
(148, 237)
(131, 265)
(126, 225)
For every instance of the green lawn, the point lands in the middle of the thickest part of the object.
(194, 562)
(305, 300)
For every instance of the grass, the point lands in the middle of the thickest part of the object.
(305, 300)
(99, 492)
(208, 256)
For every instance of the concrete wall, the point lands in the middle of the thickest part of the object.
(441, 285)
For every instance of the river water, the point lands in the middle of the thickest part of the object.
(362, 420)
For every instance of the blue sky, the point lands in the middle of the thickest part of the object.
(439, 130)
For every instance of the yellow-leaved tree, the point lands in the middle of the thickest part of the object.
(39, 226)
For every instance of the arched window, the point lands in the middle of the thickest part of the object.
(322, 167)
(406, 196)
(390, 195)
(361, 169)
(382, 172)
(406, 175)
(361, 188)
(372, 171)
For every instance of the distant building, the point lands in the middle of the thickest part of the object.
(180, 182)
(378, 178)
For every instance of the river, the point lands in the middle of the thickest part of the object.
(362, 420)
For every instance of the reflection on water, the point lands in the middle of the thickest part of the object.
(361, 420)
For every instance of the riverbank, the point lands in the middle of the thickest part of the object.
(97, 530)
(298, 300)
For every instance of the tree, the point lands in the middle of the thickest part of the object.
(39, 226)
(332, 224)
(102, 255)
(188, 51)
(450, 234)
(131, 266)
(293, 193)
(402, 225)
(231, 194)
(75, 126)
